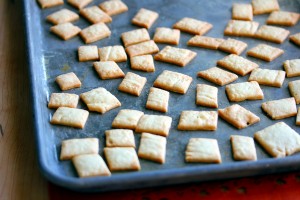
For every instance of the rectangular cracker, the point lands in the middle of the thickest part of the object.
(112, 53)
(68, 81)
(203, 150)
(298, 117)
(207, 96)
(193, 26)
(292, 67)
(238, 116)
(283, 18)
(65, 31)
(233, 46)
(166, 35)
(244, 91)
(272, 34)
(158, 100)
(50, 3)
(127, 119)
(108, 70)
(135, 36)
(198, 121)
(132, 84)
(94, 33)
(268, 77)
(237, 64)
(173, 81)
(113, 7)
(217, 76)
(205, 42)
(243, 147)
(265, 52)
(79, 146)
(156, 124)
(79, 3)
(144, 18)
(70, 117)
(280, 109)
(242, 12)
(100, 100)
(177, 56)
(264, 6)
(95, 15)
(62, 16)
(241, 28)
(153, 147)
(294, 87)
(143, 48)
(142, 63)
(295, 39)
(119, 138)
(63, 100)
(88, 53)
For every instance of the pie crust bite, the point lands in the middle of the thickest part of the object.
(108, 70)
(94, 33)
(243, 147)
(65, 31)
(233, 46)
(119, 138)
(272, 34)
(244, 91)
(145, 18)
(218, 76)
(241, 28)
(112, 53)
(193, 26)
(280, 109)
(132, 84)
(198, 121)
(265, 52)
(62, 16)
(242, 12)
(166, 35)
(95, 15)
(158, 100)
(127, 119)
(113, 7)
(268, 77)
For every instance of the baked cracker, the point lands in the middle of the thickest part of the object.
(68, 81)
(119, 138)
(135, 36)
(94, 33)
(292, 67)
(158, 100)
(62, 16)
(113, 7)
(127, 119)
(145, 18)
(264, 6)
(244, 91)
(63, 100)
(132, 84)
(205, 42)
(272, 34)
(88, 53)
(295, 38)
(95, 15)
(218, 76)
(143, 48)
(166, 35)
(265, 52)
(198, 121)
(242, 11)
(112, 53)
(79, 3)
(294, 87)
(241, 28)
(50, 3)
(268, 77)
(193, 26)
(108, 70)
(233, 46)
(65, 31)
(243, 147)
(283, 18)
(280, 109)
(207, 96)
(142, 63)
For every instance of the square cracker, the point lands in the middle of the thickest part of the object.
(173, 81)
(193, 26)
(68, 81)
(205, 42)
(135, 36)
(95, 32)
(244, 91)
(242, 12)
(272, 34)
(95, 15)
(203, 150)
(112, 53)
(79, 3)
(298, 118)
(265, 52)
(238, 116)
(113, 7)
(156, 124)
(90, 165)
(283, 18)
(280, 109)
(63, 100)
(268, 77)
(75, 147)
(132, 84)
(295, 38)
(142, 63)
(243, 147)
(233, 46)
(145, 18)
(218, 76)
(241, 28)
(127, 119)
(264, 6)
(119, 138)
(153, 147)
(237, 64)
(143, 48)
(50, 3)
(122, 159)
(279, 140)
(294, 87)
(166, 35)
(88, 53)
(70, 117)
(158, 100)
(62, 16)
(292, 67)
(207, 96)
(100, 100)
(108, 70)
(177, 56)
(65, 31)
(198, 121)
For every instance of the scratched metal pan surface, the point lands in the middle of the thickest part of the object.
(49, 56)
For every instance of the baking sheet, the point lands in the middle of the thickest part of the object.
(49, 56)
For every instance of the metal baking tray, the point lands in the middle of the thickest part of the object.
(49, 56)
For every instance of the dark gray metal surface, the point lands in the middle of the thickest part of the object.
(49, 56)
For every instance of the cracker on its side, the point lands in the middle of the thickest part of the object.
(112, 53)
(265, 52)
(280, 109)
(95, 15)
(113, 7)
(127, 119)
(238, 116)
(264, 6)
(153, 147)
(207, 96)
(94, 33)
(272, 34)
(295, 38)
(79, 3)
(62, 16)
(132, 84)
(198, 121)
(298, 117)
(68, 81)
(283, 18)
(218, 76)
(241, 28)
(233, 46)
(279, 140)
(244, 91)
(142, 63)
(268, 77)
(50, 3)
(177, 56)
(145, 18)
(158, 100)
(119, 138)
(166, 35)
(243, 147)
(135, 36)
(143, 48)
(65, 31)
(294, 87)
(193, 26)
(292, 67)
(63, 100)
(242, 12)
(205, 42)
(88, 53)
(108, 70)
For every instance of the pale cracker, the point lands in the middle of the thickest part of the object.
(207, 96)
(283, 18)
(205, 42)
(241, 28)
(95, 32)
(243, 147)
(143, 48)
(237, 64)
(218, 76)
(295, 38)
(90, 165)
(153, 147)
(65, 31)
(119, 138)
(95, 15)
(100, 100)
(294, 87)
(166, 35)
(113, 7)
(142, 63)
(244, 91)
(63, 100)
(132, 84)
(272, 34)
(50, 3)
(238, 116)
(145, 18)
(265, 52)
(264, 6)
(135, 36)
(158, 100)
(173, 81)
(79, 3)
(75, 147)
(156, 124)
(62, 16)
(122, 159)
(198, 121)
(88, 53)
(233, 46)
(127, 119)
(112, 53)
(242, 12)
(70, 117)
(177, 56)
(298, 118)
(280, 109)
(108, 70)
(268, 77)
(193, 26)
(279, 140)
(68, 81)
(203, 150)
(292, 67)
